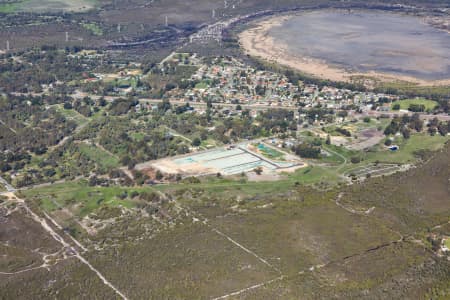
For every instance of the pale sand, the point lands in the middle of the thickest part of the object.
(257, 42)
(168, 166)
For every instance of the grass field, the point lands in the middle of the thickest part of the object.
(104, 159)
(404, 104)
(406, 153)
(8, 8)
(94, 28)
(72, 114)
(48, 6)
(269, 152)
(81, 198)
(201, 85)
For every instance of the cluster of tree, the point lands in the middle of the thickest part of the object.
(122, 106)
(13, 160)
(306, 150)
(277, 121)
(343, 131)
(434, 126)
(318, 114)
(416, 107)
(404, 125)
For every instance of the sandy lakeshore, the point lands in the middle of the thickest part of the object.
(257, 42)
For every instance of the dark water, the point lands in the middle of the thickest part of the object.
(364, 41)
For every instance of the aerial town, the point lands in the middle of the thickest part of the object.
(237, 149)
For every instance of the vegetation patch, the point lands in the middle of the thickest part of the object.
(94, 28)
(47, 5)
(417, 104)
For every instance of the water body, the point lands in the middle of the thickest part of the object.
(369, 41)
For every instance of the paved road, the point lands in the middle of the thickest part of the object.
(258, 107)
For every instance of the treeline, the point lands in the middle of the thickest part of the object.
(295, 77)
(405, 124)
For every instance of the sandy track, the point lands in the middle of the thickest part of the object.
(45, 225)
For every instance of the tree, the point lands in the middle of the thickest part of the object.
(306, 150)
(443, 129)
(416, 107)
(343, 114)
(396, 106)
(164, 106)
(432, 130)
(258, 170)
(125, 160)
(355, 159)
(159, 175)
(416, 123)
(406, 133)
(196, 142)
(328, 141)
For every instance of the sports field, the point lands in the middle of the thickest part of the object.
(405, 104)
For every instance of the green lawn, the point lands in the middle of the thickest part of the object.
(72, 114)
(210, 143)
(269, 152)
(447, 243)
(407, 148)
(48, 6)
(8, 8)
(316, 174)
(337, 154)
(81, 198)
(137, 136)
(201, 85)
(102, 158)
(404, 104)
